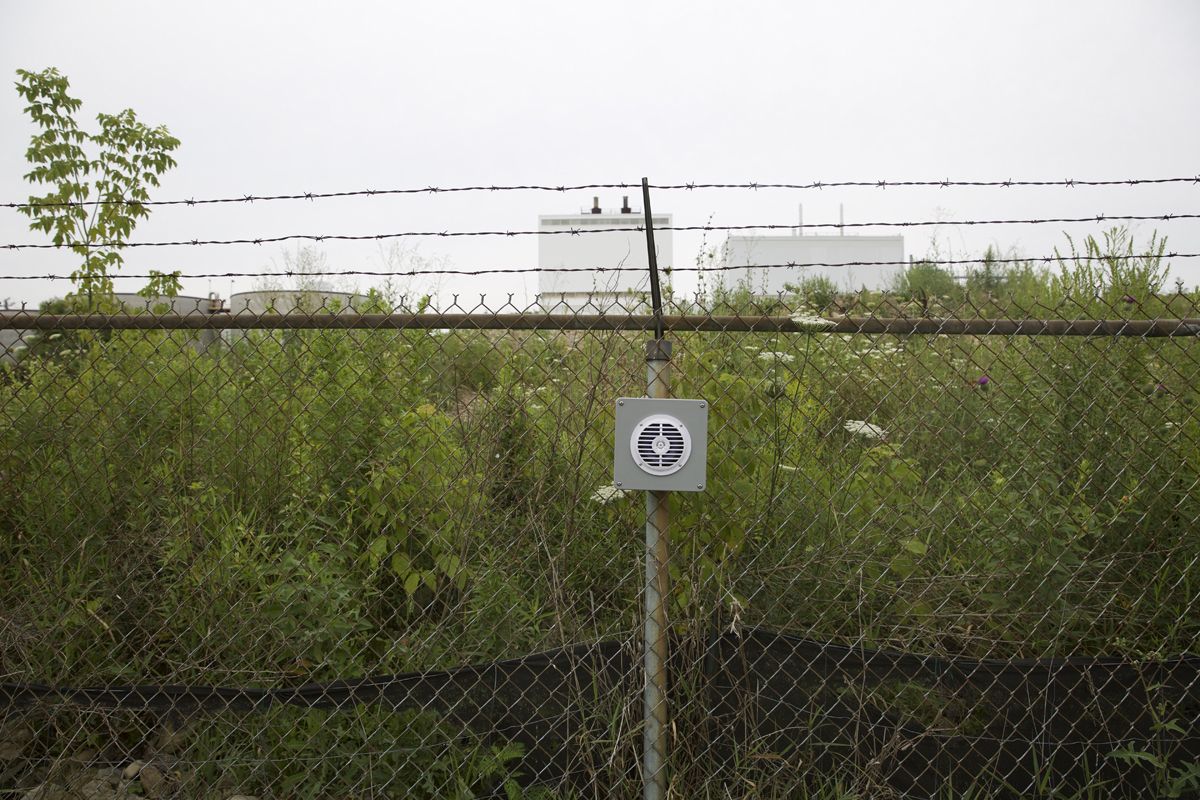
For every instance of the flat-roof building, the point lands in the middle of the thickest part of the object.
(768, 264)
(578, 255)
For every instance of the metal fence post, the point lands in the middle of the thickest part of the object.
(658, 380)
(658, 385)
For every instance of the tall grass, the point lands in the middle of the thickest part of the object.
(315, 505)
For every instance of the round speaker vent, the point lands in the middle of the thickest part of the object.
(660, 444)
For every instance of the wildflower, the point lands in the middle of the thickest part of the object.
(812, 323)
(983, 383)
(606, 494)
(864, 429)
(771, 355)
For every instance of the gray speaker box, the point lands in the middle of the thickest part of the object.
(661, 445)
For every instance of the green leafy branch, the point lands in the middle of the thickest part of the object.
(95, 203)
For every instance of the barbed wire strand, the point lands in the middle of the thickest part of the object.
(606, 270)
(881, 184)
(1097, 218)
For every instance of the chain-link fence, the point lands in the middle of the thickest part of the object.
(940, 553)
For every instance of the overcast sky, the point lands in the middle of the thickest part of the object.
(287, 97)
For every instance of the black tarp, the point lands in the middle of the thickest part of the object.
(916, 724)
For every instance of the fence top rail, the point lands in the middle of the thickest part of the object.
(24, 320)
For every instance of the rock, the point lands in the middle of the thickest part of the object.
(46, 791)
(154, 783)
(111, 774)
(132, 770)
(98, 788)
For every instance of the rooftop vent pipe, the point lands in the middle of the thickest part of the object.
(595, 205)
(625, 209)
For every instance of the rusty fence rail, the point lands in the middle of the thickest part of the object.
(943, 551)
(28, 320)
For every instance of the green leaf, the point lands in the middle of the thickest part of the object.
(1130, 756)
(448, 564)
(379, 547)
(903, 565)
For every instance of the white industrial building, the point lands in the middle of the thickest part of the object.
(574, 271)
(768, 264)
(255, 303)
(12, 342)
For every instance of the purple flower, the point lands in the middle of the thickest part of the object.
(1129, 299)
(984, 381)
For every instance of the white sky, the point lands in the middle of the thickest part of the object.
(286, 97)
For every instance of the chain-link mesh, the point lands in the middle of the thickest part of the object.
(335, 562)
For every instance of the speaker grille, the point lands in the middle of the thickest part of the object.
(660, 444)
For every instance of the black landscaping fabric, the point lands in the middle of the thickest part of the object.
(919, 725)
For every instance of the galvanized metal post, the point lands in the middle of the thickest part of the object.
(658, 519)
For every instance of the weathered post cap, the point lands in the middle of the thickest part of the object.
(658, 350)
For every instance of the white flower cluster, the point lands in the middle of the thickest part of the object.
(606, 494)
(879, 351)
(771, 355)
(812, 323)
(864, 429)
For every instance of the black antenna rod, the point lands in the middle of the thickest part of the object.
(655, 294)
